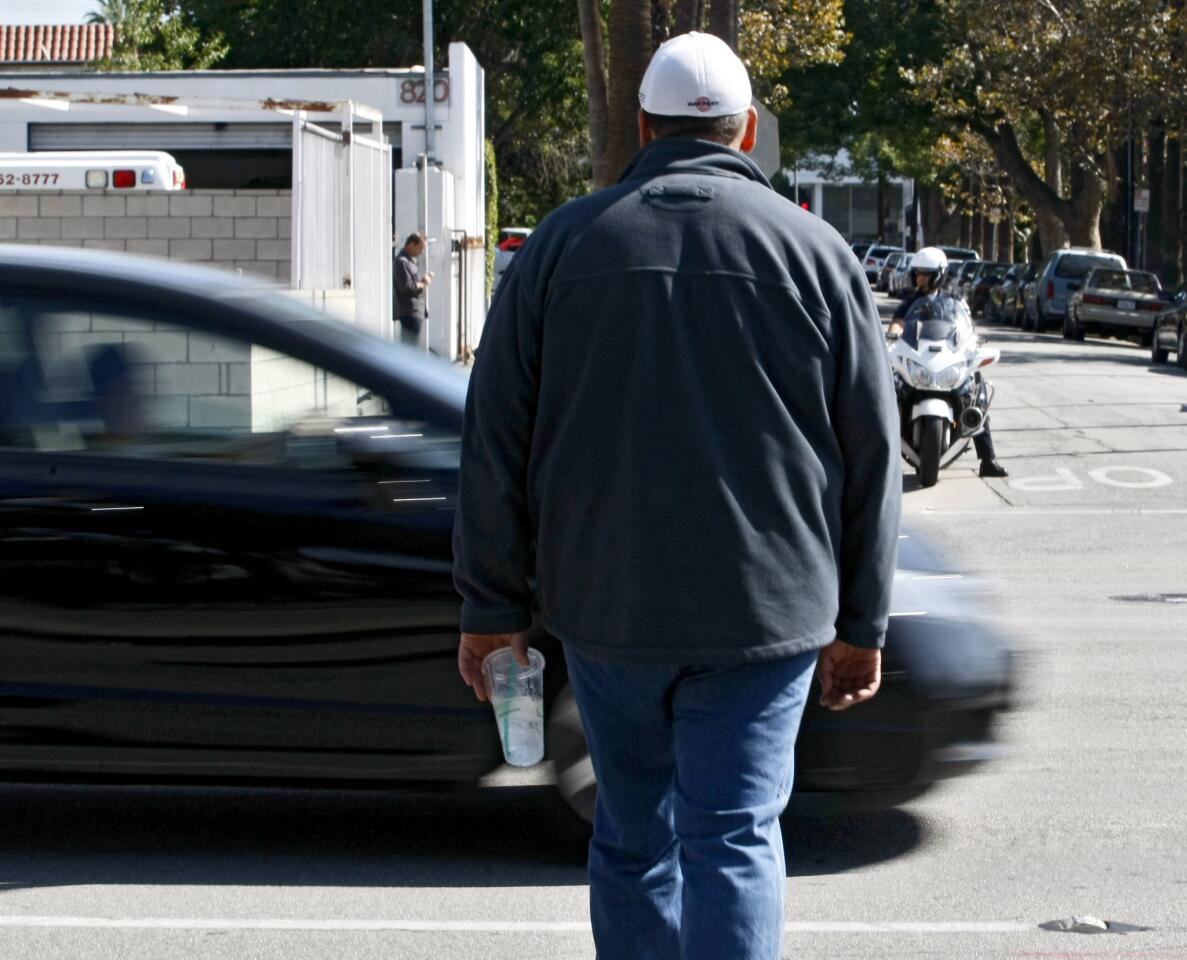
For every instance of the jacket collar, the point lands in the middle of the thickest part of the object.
(680, 155)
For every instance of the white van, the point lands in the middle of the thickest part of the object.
(130, 170)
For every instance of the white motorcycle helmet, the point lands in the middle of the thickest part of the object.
(928, 260)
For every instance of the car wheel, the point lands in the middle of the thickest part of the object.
(569, 752)
(1181, 354)
(1078, 331)
(1028, 325)
(1158, 353)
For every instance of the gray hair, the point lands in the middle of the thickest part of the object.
(719, 129)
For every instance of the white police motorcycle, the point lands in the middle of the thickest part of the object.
(943, 398)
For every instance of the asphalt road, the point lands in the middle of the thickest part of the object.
(1084, 548)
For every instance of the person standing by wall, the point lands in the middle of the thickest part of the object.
(410, 289)
(696, 481)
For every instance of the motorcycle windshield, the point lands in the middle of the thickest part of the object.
(935, 319)
(934, 330)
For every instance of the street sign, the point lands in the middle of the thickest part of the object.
(1141, 201)
(766, 149)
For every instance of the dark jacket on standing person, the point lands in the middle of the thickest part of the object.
(681, 433)
(410, 299)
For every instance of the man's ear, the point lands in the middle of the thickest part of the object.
(646, 134)
(750, 136)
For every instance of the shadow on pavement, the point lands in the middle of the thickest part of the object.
(69, 835)
(822, 836)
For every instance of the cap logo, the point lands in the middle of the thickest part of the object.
(704, 104)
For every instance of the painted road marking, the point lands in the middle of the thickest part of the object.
(1062, 480)
(1008, 511)
(474, 926)
(1154, 478)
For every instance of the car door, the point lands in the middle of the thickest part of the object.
(219, 559)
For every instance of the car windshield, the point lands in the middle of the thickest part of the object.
(1077, 265)
(993, 271)
(879, 251)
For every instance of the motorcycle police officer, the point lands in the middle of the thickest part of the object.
(927, 267)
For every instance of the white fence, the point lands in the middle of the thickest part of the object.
(342, 213)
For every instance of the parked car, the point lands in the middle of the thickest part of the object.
(887, 271)
(957, 257)
(1115, 303)
(900, 279)
(859, 249)
(976, 289)
(1170, 330)
(510, 240)
(961, 253)
(226, 556)
(1062, 275)
(874, 258)
(1005, 299)
(958, 274)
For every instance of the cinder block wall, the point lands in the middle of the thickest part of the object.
(247, 230)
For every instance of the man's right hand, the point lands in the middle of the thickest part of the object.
(848, 675)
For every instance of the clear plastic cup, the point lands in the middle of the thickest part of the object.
(517, 695)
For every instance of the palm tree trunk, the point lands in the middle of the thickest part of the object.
(690, 14)
(630, 51)
(723, 21)
(595, 84)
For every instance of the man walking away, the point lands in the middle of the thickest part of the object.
(410, 289)
(697, 480)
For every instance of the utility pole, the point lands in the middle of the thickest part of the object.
(426, 159)
(430, 83)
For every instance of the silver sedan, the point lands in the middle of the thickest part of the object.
(1115, 302)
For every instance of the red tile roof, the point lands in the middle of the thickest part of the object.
(55, 43)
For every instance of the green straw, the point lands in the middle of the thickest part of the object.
(507, 708)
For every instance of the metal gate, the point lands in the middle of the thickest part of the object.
(342, 212)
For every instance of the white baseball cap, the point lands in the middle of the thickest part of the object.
(695, 75)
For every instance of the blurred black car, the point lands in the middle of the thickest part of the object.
(225, 556)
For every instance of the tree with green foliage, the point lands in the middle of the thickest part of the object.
(1086, 75)
(156, 35)
(771, 36)
(491, 174)
(860, 102)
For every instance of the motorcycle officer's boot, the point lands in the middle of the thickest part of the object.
(983, 444)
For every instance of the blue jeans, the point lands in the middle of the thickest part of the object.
(694, 766)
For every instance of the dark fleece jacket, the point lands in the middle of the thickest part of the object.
(681, 437)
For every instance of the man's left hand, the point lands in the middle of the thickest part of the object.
(475, 647)
(848, 675)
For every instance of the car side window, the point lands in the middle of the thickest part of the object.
(119, 382)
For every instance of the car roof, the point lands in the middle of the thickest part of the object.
(1083, 252)
(431, 387)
